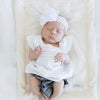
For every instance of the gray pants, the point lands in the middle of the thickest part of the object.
(46, 86)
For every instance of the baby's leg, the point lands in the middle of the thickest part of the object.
(58, 90)
(34, 86)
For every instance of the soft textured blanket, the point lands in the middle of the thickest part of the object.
(79, 13)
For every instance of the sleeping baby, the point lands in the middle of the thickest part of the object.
(50, 64)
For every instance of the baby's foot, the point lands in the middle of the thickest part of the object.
(41, 97)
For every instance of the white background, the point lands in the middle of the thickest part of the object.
(8, 89)
(97, 29)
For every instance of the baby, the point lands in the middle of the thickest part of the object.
(50, 66)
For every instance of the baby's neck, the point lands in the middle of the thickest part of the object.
(55, 44)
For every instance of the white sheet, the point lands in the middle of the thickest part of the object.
(84, 85)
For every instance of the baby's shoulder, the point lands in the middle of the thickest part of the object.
(67, 40)
(33, 37)
(66, 43)
(33, 40)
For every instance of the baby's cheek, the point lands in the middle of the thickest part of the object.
(59, 38)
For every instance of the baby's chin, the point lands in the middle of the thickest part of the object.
(53, 41)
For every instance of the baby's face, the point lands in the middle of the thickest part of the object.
(53, 32)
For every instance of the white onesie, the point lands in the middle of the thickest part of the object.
(45, 64)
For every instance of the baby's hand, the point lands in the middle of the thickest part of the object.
(34, 53)
(63, 58)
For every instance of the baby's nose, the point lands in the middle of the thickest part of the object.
(53, 32)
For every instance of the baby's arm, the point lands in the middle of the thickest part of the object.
(34, 53)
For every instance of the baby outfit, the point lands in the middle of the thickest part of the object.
(45, 64)
(44, 68)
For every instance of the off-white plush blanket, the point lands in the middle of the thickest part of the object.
(79, 13)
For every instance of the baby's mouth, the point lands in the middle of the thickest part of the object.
(51, 37)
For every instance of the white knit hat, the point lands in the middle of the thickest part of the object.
(50, 15)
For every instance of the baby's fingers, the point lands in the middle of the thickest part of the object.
(58, 55)
(38, 50)
(62, 62)
(58, 59)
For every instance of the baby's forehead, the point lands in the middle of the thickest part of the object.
(54, 24)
